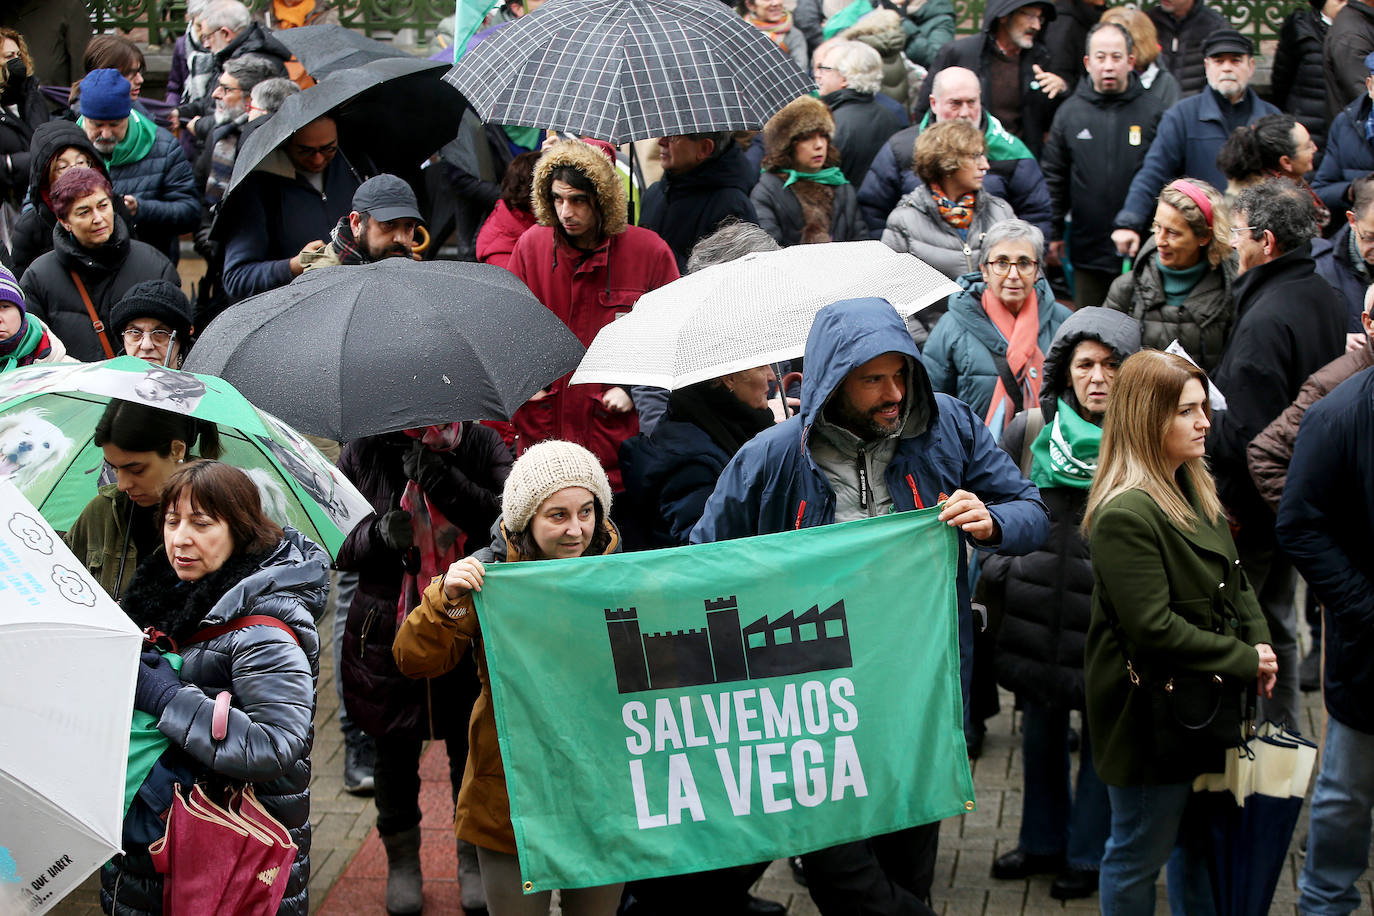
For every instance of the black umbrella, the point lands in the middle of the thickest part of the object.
(623, 70)
(393, 112)
(344, 352)
(326, 49)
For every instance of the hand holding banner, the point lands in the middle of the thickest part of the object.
(677, 710)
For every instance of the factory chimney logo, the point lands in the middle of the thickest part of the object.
(723, 651)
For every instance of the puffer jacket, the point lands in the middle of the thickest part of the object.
(1269, 453)
(381, 700)
(915, 227)
(1348, 155)
(882, 31)
(1013, 175)
(272, 681)
(930, 26)
(16, 138)
(1202, 325)
(1298, 77)
(33, 232)
(1180, 42)
(1046, 595)
(107, 272)
(429, 644)
(958, 355)
(165, 186)
(780, 213)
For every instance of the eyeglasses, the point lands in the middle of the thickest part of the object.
(305, 152)
(160, 336)
(220, 87)
(1002, 266)
(817, 68)
(1237, 230)
(1366, 237)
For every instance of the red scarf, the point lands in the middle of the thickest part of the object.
(439, 541)
(1021, 330)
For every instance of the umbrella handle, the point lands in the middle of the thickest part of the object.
(420, 248)
(219, 722)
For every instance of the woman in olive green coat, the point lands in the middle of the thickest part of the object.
(1166, 577)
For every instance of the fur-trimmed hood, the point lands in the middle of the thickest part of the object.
(873, 24)
(592, 162)
(798, 117)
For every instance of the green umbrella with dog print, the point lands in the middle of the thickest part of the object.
(48, 415)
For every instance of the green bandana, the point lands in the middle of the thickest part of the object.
(1002, 144)
(1065, 452)
(138, 140)
(832, 175)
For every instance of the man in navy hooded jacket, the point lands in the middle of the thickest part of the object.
(868, 404)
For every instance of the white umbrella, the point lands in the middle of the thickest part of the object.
(754, 310)
(68, 658)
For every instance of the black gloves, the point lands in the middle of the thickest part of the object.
(157, 683)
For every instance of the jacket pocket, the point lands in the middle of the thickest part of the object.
(619, 299)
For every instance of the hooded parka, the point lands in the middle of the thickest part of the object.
(1202, 324)
(1047, 593)
(586, 290)
(271, 679)
(107, 271)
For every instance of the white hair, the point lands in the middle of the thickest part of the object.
(859, 64)
(225, 14)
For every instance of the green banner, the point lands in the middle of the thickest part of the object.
(678, 710)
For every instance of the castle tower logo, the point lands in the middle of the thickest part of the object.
(722, 651)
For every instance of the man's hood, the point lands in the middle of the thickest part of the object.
(1116, 330)
(592, 162)
(996, 9)
(50, 139)
(847, 334)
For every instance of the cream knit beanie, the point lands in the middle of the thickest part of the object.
(545, 469)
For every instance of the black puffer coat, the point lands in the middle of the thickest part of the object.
(165, 186)
(1180, 42)
(1046, 595)
(379, 698)
(272, 681)
(780, 213)
(16, 136)
(1298, 77)
(33, 233)
(107, 272)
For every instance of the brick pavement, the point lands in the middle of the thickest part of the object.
(349, 866)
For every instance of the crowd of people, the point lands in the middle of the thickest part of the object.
(1146, 410)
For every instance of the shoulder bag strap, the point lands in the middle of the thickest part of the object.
(96, 323)
(1009, 382)
(250, 620)
(1035, 422)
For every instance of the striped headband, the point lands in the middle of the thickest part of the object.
(1194, 193)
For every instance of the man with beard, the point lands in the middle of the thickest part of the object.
(873, 437)
(381, 225)
(1013, 63)
(1192, 133)
(222, 134)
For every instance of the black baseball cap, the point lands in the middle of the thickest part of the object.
(386, 197)
(1227, 41)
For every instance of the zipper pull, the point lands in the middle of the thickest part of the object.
(863, 480)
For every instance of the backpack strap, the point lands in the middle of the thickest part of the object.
(1035, 422)
(96, 323)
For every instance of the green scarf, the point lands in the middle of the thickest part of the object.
(138, 140)
(33, 335)
(1002, 144)
(524, 137)
(831, 175)
(846, 17)
(1065, 452)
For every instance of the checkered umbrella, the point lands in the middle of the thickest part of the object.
(622, 70)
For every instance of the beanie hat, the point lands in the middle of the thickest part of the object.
(10, 291)
(542, 471)
(105, 96)
(162, 300)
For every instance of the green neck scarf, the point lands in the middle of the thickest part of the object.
(524, 137)
(831, 175)
(1002, 144)
(138, 140)
(1065, 452)
(32, 337)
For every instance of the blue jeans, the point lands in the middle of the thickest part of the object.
(1338, 840)
(1145, 830)
(1053, 820)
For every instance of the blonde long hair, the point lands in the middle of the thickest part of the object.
(1141, 408)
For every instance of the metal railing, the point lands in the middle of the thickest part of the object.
(166, 19)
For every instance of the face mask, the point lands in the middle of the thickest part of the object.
(15, 75)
